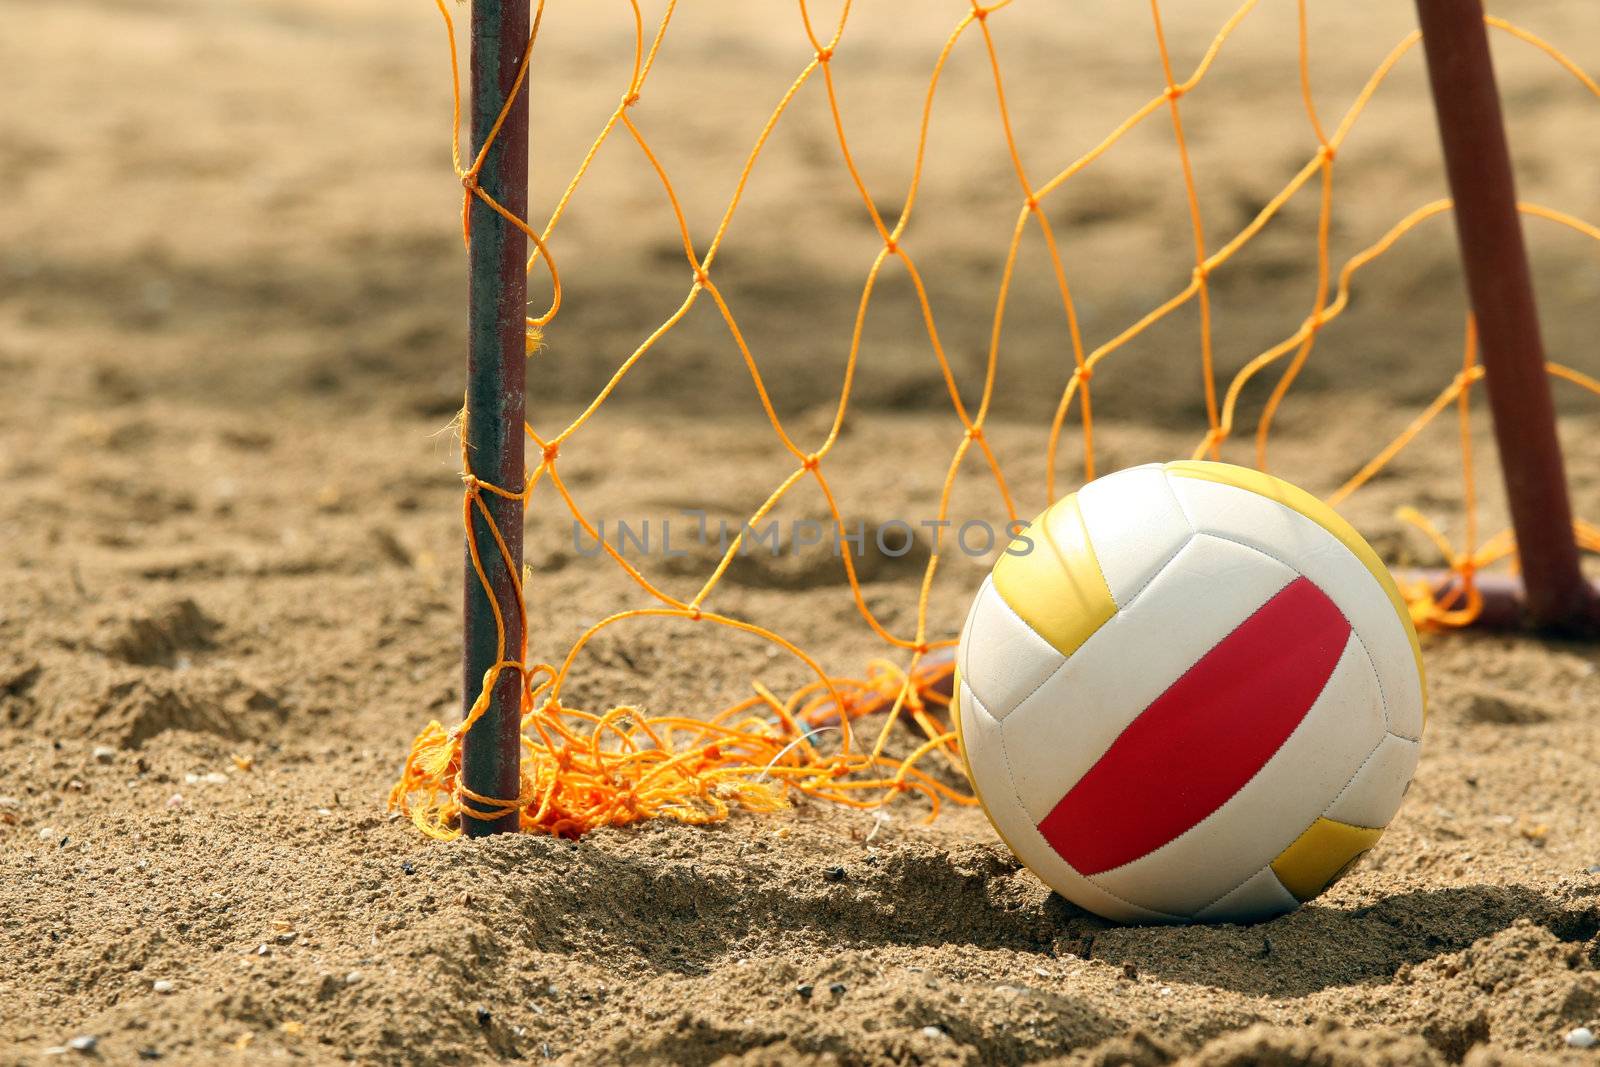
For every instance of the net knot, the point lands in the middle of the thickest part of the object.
(974, 433)
(471, 481)
(694, 614)
(810, 462)
(890, 245)
(1173, 92)
(1032, 203)
(824, 54)
(630, 98)
(469, 181)
(1202, 271)
(979, 12)
(1327, 152)
(1083, 375)
(551, 451)
(701, 278)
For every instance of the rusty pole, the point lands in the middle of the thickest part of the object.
(1478, 163)
(496, 361)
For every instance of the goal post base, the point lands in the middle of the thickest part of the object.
(1504, 602)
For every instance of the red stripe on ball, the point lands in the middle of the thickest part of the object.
(1198, 743)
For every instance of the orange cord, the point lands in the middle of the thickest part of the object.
(581, 771)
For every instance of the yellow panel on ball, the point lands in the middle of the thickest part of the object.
(1050, 577)
(1317, 856)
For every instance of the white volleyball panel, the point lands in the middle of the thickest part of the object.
(1001, 657)
(1374, 794)
(1262, 897)
(980, 737)
(1135, 525)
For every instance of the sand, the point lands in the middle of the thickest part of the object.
(230, 328)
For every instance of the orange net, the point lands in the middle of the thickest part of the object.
(583, 770)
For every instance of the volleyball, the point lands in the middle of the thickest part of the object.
(1189, 692)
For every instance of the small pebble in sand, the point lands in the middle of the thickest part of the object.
(85, 1043)
(163, 985)
(805, 989)
(103, 754)
(175, 801)
(263, 950)
(1130, 972)
(1582, 1037)
(837, 989)
(149, 1054)
(833, 874)
(352, 978)
(48, 833)
(485, 1017)
(408, 867)
(932, 1032)
(1595, 869)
